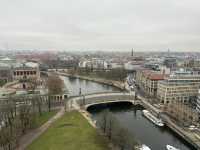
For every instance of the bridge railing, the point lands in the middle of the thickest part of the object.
(102, 99)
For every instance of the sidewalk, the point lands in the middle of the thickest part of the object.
(32, 135)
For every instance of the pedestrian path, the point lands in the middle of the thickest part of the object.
(32, 135)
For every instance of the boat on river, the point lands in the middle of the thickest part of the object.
(169, 147)
(152, 118)
(144, 147)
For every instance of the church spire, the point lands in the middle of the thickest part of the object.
(132, 52)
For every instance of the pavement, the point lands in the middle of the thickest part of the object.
(34, 134)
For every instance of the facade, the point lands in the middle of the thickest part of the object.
(133, 65)
(26, 71)
(182, 113)
(116, 64)
(94, 64)
(170, 62)
(148, 81)
(180, 88)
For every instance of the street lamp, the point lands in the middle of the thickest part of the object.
(80, 92)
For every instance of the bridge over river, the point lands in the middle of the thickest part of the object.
(101, 98)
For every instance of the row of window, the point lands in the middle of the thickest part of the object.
(16, 73)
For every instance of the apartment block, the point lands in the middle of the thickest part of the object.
(148, 81)
(182, 113)
(182, 88)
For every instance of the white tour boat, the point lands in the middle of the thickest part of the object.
(144, 147)
(152, 118)
(169, 147)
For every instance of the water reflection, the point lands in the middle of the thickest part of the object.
(144, 130)
(87, 87)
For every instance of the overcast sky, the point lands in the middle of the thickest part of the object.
(100, 24)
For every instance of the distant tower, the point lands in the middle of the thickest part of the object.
(132, 52)
(168, 52)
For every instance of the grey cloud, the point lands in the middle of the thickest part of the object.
(105, 24)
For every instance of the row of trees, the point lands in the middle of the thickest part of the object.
(118, 74)
(19, 114)
(117, 135)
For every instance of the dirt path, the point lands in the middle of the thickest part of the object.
(31, 136)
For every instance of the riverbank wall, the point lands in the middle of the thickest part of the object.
(117, 84)
(185, 134)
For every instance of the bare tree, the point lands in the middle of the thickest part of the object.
(55, 84)
(121, 138)
(102, 121)
(118, 135)
(33, 84)
(111, 125)
(26, 117)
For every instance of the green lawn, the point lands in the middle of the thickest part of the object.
(44, 117)
(71, 132)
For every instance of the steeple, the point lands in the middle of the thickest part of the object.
(132, 52)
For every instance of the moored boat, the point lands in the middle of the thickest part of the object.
(152, 118)
(169, 147)
(144, 147)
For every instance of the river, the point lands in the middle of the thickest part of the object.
(129, 116)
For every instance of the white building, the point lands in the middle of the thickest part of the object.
(94, 63)
(133, 65)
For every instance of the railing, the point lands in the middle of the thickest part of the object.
(101, 98)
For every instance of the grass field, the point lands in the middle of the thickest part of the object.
(71, 132)
(44, 117)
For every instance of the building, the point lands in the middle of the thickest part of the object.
(183, 88)
(148, 81)
(7, 60)
(94, 63)
(133, 65)
(170, 62)
(182, 113)
(115, 64)
(27, 70)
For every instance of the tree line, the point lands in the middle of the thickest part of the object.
(19, 114)
(118, 74)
